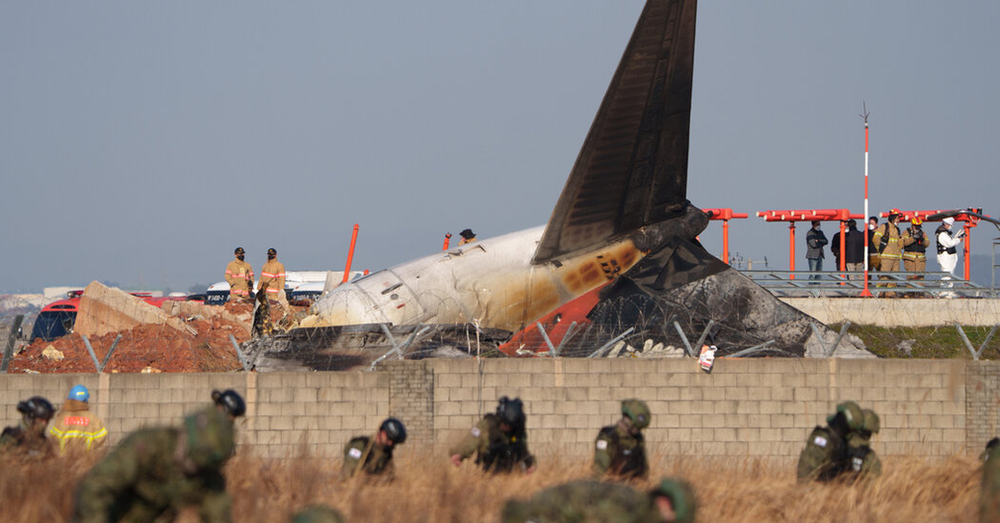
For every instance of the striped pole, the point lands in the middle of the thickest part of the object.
(864, 291)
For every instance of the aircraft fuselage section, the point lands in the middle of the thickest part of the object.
(490, 282)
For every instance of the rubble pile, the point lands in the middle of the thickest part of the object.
(105, 309)
(180, 336)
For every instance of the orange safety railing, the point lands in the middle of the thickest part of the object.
(725, 215)
(803, 215)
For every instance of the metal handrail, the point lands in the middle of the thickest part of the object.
(841, 283)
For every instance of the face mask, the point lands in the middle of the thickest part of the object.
(270, 256)
(240, 257)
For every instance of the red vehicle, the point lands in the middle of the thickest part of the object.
(57, 318)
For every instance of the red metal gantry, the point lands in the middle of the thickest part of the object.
(725, 215)
(969, 221)
(809, 215)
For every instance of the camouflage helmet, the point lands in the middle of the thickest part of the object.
(317, 514)
(511, 412)
(230, 401)
(36, 407)
(394, 430)
(852, 415)
(681, 496)
(870, 422)
(637, 411)
(211, 438)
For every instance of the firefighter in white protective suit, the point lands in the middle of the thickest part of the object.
(947, 252)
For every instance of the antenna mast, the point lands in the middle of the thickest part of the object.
(864, 116)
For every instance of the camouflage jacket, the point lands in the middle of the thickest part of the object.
(861, 459)
(824, 457)
(583, 501)
(495, 450)
(143, 480)
(619, 453)
(17, 440)
(362, 453)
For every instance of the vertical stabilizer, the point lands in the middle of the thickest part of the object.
(632, 168)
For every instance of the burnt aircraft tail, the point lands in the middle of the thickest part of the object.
(630, 181)
(632, 168)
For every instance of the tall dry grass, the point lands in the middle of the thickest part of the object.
(428, 488)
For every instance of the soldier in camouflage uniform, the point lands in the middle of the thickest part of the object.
(318, 514)
(28, 437)
(374, 454)
(863, 460)
(498, 440)
(989, 496)
(826, 452)
(156, 472)
(620, 449)
(593, 501)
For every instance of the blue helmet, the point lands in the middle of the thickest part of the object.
(79, 393)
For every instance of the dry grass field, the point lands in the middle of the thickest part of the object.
(428, 488)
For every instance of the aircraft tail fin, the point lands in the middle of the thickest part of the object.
(632, 168)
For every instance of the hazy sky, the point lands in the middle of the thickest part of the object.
(141, 142)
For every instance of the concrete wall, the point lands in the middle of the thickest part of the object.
(889, 312)
(755, 407)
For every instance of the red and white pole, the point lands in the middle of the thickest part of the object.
(864, 291)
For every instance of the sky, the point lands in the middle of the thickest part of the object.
(141, 142)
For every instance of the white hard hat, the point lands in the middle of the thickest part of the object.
(949, 221)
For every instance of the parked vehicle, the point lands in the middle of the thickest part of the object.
(57, 318)
(299, 285)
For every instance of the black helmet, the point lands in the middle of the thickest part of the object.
(230, 401)
(239, 250)
(467, 234)
(394, 429)
(271, 251)
(36, 407)
(511, 412)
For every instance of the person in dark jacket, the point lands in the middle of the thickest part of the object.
(873, 259)
(815, 241)
(854, 249)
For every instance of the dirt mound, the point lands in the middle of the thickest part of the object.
(155, 347)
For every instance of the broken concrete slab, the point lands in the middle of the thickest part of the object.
(188, 309)
(104, 310)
